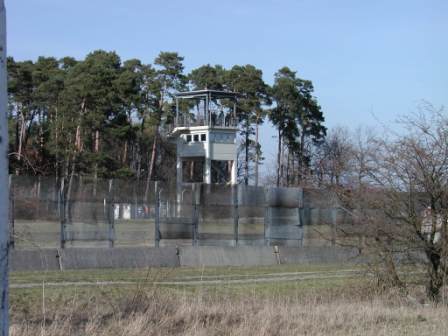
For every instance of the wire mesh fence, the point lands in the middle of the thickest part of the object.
(83, 211)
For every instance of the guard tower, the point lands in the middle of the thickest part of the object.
(205, 133)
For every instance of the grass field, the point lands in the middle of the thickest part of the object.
(274, 300)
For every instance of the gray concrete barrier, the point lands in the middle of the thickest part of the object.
(318, 255)
(284, 197)
(227, 256)
(120, 257)
(141, 257)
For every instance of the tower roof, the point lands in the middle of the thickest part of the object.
(210, 93)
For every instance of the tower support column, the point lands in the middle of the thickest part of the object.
(208, 170)
(233, 175)
(179, 173)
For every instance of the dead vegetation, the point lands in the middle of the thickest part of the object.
(341, 310)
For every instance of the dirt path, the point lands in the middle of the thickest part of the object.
(206, 280)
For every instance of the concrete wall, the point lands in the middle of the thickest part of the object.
(85, 258)
(226, 256)
(284, 197)
(140, 257)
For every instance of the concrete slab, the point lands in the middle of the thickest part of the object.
(119, 257)
(317, 255)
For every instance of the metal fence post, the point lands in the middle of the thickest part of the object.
(267, 221)
(235, 213)
(334, 218)
(157, 216)
(111, 214)
(300, 218)
(194, 217)
(39, 202)
(300, 226)
(267, 226)
(12, 242)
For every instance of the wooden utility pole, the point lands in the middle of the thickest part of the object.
(4, 192)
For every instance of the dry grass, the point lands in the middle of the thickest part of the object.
(149, 310)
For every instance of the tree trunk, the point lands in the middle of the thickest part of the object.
(301, 157)
(139, 148)
(41, 138)
(153, 154)
(76, 151)
(78, 139)
(246, 159)
(69, 190)
(293, 176)
(152, 163)
(17, 135)
(257, 154)
(125, 152)
(95, 169)
(282, 164)
(57, 173)
(21, 136)
(279, 153)
(139, 164)
(435, 281)
(148, 183)
(154, 145)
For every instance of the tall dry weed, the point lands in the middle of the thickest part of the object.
(159, 312)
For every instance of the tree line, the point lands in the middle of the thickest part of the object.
(104, 117)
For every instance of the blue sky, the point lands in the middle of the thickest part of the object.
(368, 60)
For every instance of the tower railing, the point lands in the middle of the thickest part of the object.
(216, 120)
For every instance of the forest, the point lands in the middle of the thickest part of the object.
(107, 118)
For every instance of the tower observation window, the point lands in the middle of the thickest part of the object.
(196, 137)
(203, 137)
(188, 138)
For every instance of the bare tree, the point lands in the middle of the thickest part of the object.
(400, 200)
(333, 158)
